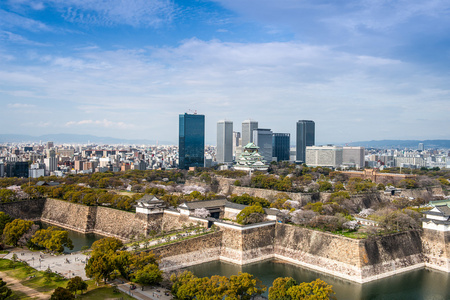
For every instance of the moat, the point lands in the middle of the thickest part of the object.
(79, 239)
(414, 285)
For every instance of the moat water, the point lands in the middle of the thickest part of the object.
(420, 284)
(79, 240)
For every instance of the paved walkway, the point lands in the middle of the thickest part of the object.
(149, 293)
(68, 265)
(15, 285)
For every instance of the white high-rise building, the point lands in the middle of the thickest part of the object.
(51, 163)
(224, 141)
(353, 156)
(247, 131)
(324, 156)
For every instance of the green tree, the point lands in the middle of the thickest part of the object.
(101, 266)
(243, 216)
(149, 274)
(325, 186)
(4, 219)
(244, 286)
(62, 294)
(77, 284)
(15, 230)
(314, 290)
(106, 244)
(52, 239)
(279, 288)
(5, 292)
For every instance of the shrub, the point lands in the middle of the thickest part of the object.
(242, 217)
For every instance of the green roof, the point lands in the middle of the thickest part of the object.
(251, 146)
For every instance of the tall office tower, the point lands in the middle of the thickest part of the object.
(263, 139)
(353, 157)
(50, 145)
(305, 137)
(191, 141)
(421, 147)
(281, 143)
(236, 138)
(224, 141)
(247, 131)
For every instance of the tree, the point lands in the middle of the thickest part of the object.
(52, 239)
(302, 216)
(5, 291)
(314, 290)
(201, 213)
(62, 294)
(149, 274)
(244, 286)
(101, 266)
(4, 219)
(15, 230)
(242, 217)
(279, 288)
(106, 244)
(77, 284)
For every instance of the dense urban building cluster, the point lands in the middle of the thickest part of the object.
(250, 149)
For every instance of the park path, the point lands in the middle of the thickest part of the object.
(15, 285)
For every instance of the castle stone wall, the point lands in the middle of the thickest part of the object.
(190, 252)
(27, 210)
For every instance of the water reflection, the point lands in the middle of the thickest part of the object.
(418, 284)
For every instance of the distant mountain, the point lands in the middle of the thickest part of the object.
(75, 139)
(412, 144)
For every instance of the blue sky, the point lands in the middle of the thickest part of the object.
(362, 70)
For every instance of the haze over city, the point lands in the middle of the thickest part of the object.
(361, 69)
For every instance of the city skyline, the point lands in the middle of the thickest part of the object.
(379, 70)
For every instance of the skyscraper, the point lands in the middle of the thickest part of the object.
(191, 141)
(224, 141)
(263, 139)
(236, 143)
(247, 131)
(281, 143)
(305, 137)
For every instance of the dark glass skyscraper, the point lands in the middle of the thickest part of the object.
(191, 141)
(281, 144)
(306, 131)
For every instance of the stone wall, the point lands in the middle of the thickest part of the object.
(118, 223)
(69, 215)
(27, 210)
(436, 249)
(426, 192)
(189, 252)
(356, 260)
(390, 254)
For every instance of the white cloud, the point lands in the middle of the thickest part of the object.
(15, 38)
(13, 20)
(276, 83)
(110, 12)
(103, 123)
(21, 105)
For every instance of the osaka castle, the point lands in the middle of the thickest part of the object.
(250, 159)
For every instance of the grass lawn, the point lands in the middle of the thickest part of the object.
(39, 283)
(16, 295)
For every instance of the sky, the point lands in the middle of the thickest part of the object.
(361, 69)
